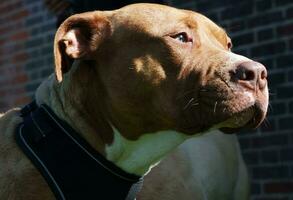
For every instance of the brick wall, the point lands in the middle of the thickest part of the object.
(260, 29)
(26, 38)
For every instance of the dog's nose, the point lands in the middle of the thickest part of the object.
(250, 74)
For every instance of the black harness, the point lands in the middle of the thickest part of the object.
(71, 167)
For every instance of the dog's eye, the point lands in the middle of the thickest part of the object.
(182, 37)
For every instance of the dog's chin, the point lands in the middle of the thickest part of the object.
(237, 121)
(249, 118)
(233, 124)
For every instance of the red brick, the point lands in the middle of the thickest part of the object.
(22, 100)
(22, 35)
(17, 91)
(3, 92)
(6, 7)
(19, 57)
(285, 30)
(19, 79)
(4, 29)
(279, 187)
(18, 15)
(2, 41)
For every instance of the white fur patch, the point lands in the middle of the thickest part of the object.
(234, 58)
(139, 156)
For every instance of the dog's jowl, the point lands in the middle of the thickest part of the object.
(131, 85)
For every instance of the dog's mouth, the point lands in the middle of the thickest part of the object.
(230, 116)
(239, 119)
(249, 118)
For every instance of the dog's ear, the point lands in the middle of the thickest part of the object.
(79, 37)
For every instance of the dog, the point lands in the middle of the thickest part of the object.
(134, 84)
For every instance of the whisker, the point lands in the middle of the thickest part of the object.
(189, 102)
(203, 90)
(215, 107)
(185, 93)
(195, 104)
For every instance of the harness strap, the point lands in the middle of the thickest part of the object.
(71, 167)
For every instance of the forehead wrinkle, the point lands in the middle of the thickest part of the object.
(211, 28)
(220, 34)
(143, 18)
(189, 21)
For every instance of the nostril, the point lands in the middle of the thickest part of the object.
(263, 74)
(250, 74)
(244, 74)
(262, 77)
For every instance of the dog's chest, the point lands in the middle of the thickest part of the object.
(141, 155)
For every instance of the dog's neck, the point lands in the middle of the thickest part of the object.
(133, 156)
(141, 155)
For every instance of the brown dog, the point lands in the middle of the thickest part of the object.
(137, 82)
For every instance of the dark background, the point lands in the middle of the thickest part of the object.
(260, 29)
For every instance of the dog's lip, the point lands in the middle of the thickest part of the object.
(230, 125)
(191, 130)
(253, 123)
(253, 120)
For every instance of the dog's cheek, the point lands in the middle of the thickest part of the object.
(149, 70)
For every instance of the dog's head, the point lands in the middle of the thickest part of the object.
(160, 68)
